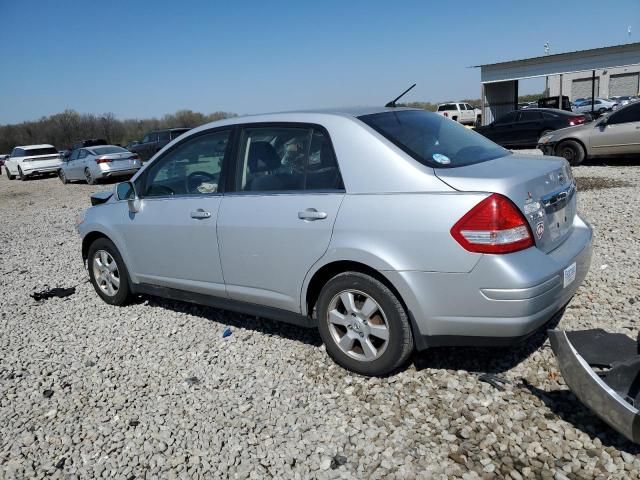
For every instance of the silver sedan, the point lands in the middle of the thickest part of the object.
(92, 164)
(387, 229)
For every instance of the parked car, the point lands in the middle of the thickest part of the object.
(557, 102)
(131, 144)
(385, 228)
(2, 159)
(153, 142)
(614, 134)
(524, 128)
(461, 112)
(600, 106)
(31, 160)
(95, 163)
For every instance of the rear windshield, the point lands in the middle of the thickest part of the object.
(434, 140)
(177, 133)
(32, 152)
(108, 149)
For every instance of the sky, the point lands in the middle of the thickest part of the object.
(140, 59)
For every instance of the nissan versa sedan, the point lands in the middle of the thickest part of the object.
(95, 163)
(388, 229)
(615, 134)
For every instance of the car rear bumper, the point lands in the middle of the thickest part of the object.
(117, 172)
(504, 299)
(34, 169)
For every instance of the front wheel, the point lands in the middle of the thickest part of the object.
(9, 176)
(363, 324)
(571, 151)
(63, 178)
(21, 175)
(108, 273)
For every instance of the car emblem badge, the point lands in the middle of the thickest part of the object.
(540, 229)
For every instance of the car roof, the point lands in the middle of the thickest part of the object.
(33, 147)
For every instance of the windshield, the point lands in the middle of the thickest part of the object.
(108, 149)
(32, 152)
(434, 140)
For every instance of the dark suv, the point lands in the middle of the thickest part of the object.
(153, 142)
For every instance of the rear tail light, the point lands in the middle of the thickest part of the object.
(578, 120)
(445, 114)
(135, 156)
(100, 160)
(495, 225)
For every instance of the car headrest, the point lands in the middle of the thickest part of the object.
(262, 157)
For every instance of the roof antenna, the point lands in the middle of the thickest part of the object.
(392, 103)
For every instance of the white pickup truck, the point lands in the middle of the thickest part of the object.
(460, 112)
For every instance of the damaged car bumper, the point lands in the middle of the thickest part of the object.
(603, 371)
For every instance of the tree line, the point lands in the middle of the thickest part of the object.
(63, 129)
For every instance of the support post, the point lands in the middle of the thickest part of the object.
(593, 92)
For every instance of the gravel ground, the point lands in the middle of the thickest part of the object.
(153, 389)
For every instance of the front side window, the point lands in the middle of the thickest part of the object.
(433, 140)
(191, 168)
(279, 159)
(74, 155)
(508, 118)
(17, 153)
(627, 114)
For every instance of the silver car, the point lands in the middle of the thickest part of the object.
(92, 164)
(614, 134)
(388, 229)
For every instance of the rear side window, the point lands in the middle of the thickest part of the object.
(508, 118)
(528, 116)
(434, 140)
(177, 133)
(279, 159)
(163, 136)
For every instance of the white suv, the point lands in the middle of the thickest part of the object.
(30, 160)
(460, 112)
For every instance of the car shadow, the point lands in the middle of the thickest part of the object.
(227, 318)
(484, 359)
(568, 407)
(631, 161)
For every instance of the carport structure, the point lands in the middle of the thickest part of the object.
(500, 80)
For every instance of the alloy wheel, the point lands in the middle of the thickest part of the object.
(87, 175)
(106, 273)
(358, 325)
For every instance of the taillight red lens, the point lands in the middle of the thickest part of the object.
(578, 120)
(103, 160)
(445, 114)
(495, 225)
(135, 156)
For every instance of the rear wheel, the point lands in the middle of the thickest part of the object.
(89, 177)
(108, 273)
(571, 151)
(363, 324)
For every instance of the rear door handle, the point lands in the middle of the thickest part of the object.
(312, 214)
(200, 213)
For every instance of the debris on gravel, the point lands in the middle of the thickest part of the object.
(153, 389)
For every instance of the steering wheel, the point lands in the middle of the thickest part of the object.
(196, 179)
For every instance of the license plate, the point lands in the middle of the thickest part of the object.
(569, 274)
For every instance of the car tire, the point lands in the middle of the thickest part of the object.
(478, 122)
(9, 176)
(63, 178)
(110, 282)
(571, 151)
(21, 175)
(353, 329)
(88, 177)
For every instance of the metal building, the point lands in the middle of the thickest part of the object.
(605, 71)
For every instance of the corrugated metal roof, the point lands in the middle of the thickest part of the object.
(554, 56)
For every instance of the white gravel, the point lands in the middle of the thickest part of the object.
(153, 390)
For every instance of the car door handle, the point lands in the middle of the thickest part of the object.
(312, 214)
(200, 213)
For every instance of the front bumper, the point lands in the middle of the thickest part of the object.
(504, 299)
(547, 148)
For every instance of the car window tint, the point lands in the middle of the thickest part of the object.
(627, 114)
(508, 118)
(322, 169)
(74, 155)
(162, 136)
(83, 153)
(191, 168)
(528, 116)
(434, 140)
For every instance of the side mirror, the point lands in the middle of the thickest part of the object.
(127, 191)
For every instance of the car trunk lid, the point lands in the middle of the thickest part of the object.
(542, 188)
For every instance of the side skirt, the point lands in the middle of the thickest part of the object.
(225, 304)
